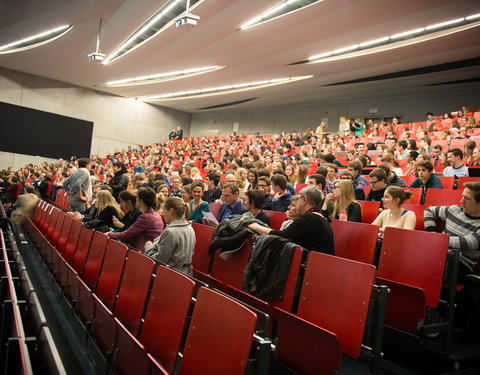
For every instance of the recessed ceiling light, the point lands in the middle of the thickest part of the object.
(161, 77)
(36, 40)
(229, 89)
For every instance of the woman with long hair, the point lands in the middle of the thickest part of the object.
(128, 203)
(107, 208)
(176, 244)
(345, 201)
(301, 174)
(241, 178)
(197, 205)
(252, 177)
(393, 214)
(290, 171)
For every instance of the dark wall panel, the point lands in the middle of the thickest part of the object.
(32, 132)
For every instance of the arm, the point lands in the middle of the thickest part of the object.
(259, 228)
(431, 214)
(82, 178)
(165, 247)
(354, 212)
(410, 220)
(138, 227)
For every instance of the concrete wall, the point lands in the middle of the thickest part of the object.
(301, 117)
(118, 122)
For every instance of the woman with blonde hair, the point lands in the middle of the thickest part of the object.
(176, 243)
(107, 209)
(241, 178)
(345, 207)
(290, 171)
(302, 171)
(393, 214)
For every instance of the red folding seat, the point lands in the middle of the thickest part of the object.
(276, 218)
(203, 238)
(355, 241)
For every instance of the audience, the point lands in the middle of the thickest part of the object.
(344, 201)
(197, 206)
(393, 214)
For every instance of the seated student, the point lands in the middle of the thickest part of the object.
(176, 186)
(393, 214)
(310, 230)
(197, 205)
(358, 191)
(264, 185)
(107, 209)
(128, 203)
(345, 201)
(175, 245)
(254, 204)
(426, 179)
(378, 180)
(232, 203)
(456, 167)
(24, 205)
(213, 191)
(461, 224)
(355, 168)
(281, 199)
(147, 227)
(392, 178)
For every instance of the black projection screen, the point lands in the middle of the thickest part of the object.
(32, 132)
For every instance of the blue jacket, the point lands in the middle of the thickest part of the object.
(237, 208)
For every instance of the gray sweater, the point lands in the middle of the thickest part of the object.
(175, 246)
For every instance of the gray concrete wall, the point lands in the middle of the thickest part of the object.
(118, 122)
(301, 117)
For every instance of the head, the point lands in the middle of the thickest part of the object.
(347, 175)
(318, 181)
(146, 199)
(197, 191)
(279, 183)
(104, 199)
(118, 166)
(83, 162)
(437, 149)
(187, 193)
(332, 170)
(355, 168)
(175, 208)
(230, 178)
(230, 194)
(378, 179)
(212, 180)
(454, 156)
(164, 191)
(255, 199)
(471, 199)
(264, 184)
(128, 200)
(308, 197)
(344, 194)
(394, 197)
(424, 169)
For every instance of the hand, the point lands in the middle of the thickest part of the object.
(148, 244)
(84, 199)
(329, 197)
(117, 223)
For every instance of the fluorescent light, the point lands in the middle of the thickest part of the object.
(41, 37)
(443, 24)
(345, 49)
(321, 56)
(473, 16)
(375, 41)
(407, 33)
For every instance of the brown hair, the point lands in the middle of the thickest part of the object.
(398, 193)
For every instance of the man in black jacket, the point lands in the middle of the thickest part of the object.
(119, 181)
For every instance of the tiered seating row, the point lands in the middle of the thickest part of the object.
(27, 345)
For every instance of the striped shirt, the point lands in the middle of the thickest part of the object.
(464, 231)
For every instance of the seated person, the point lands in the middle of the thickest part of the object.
(456, 168)
(128, 203)
(358, 191)
(232, 203)
(107, 209)
(378, 180)
(461, 224)
(147, 227)
(281, 199)
(213, 191)
(355, 168)
(344, 201)
(426, 179)
(254, 204)
(176, 186)
(197, 205)
(392, 178)
(393, 214)
(175, 245)
(24, 206)
(310, 230)
(264, 185)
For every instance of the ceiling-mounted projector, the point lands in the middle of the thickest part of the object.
(187, 19)
(96, 56)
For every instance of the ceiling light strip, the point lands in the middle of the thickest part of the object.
(229, 89)
(35, 40)
(415, 33)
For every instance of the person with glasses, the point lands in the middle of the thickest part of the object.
(310, 229)
(357, 191)
(344, 201)
(378, 180)
(264, 185)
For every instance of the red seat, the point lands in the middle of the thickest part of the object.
(51, 224)
(133, 290)
(299, 187)
(58, 228)
(72, 240)
(443, 197)
(214, 208)
(447, 182)
(306, 348)
(166, 314)
(203, 238)
(416, 195)
(462, 180)
(335, 296)
(228, 328)
(418, 209)
(355, 241)
(64, 233)
(94, 261)
(409, 179)
(276, 218)
(369, 211)
(231, 271)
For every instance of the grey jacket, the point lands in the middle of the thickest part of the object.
(175, 246)
(80, 180)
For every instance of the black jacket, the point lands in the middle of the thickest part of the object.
(119, 182)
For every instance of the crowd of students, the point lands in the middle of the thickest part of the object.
(147, 196)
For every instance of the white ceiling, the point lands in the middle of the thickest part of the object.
(260, 53)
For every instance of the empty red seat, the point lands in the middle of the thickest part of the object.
(443, 197)
(355, 241)
(369, 211)
(203, 238)
(276, 218)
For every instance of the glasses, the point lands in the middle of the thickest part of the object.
(346, 178)
(373, 182)
(262, 185)
(297, 198)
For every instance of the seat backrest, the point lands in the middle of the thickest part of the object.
(443, 197)
(133, 291)
(276, 218)
(94, 261)
(447, 182)
(416, 195)
(214, 208)
(38, 212)
(231, 271)
(228, 328)
(299, 187)
(418, 209)
(166, 315)
(369, 210)
(52, 223)
(111, 274)
(414, 258)
(64, 233)
(306, 348)
(336, 296)
(355, 241)
(82, 248)
(462, 180)
(203, 238)
(58, 228)
(72, 240)
(45, 217)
